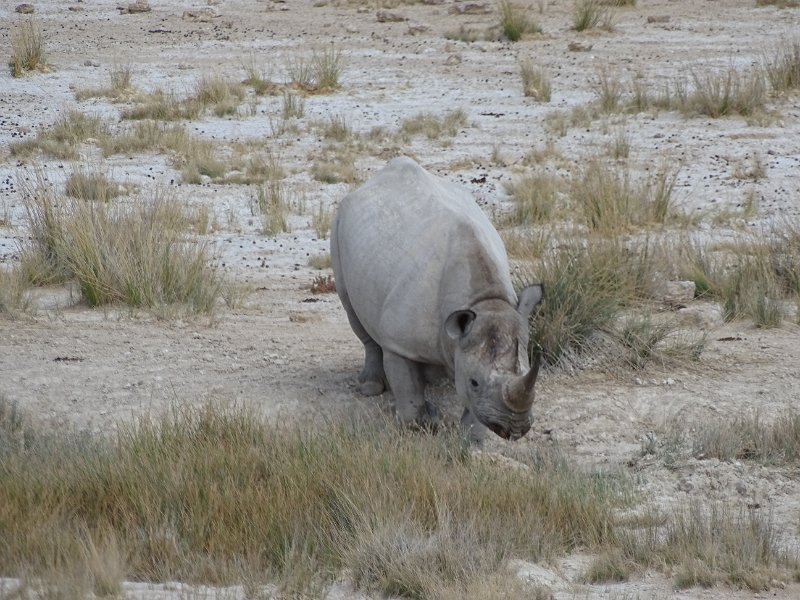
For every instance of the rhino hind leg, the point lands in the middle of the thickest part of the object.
(407, 381)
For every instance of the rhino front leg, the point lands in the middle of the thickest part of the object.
(371, 379)
(474, 430)
(407, 381)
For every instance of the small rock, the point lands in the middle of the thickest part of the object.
(140, 6)
(704, 316)
(91, 63)
(417, 29)
(24, 9)
(201, 15)
(685, 485)
(75, 8)
(741, 488)
(658, 19)
(453, 59)
(469, 9)
(578, 47)
(676, 293)
(390, 17)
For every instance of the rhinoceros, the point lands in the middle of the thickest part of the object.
(424, 279)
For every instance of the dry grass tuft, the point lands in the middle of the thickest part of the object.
(12, 293)
(323, 284)
(432, 126)
(515, 21)
(163, 106)
(783, 69)
(535, 197)
(61, 140)
(131, 254)
(320, 261)
(120, 86)
(222, 95)
(611, 201)
(27, 49)
(272, 205)
(535, 81)
(88, 184)
(590, 14)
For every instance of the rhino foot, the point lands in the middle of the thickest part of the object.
(371, 387)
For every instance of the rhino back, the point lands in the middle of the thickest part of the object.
(412, 248)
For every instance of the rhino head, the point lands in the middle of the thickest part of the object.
(491, 367)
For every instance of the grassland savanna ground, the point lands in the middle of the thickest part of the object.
(156, 195)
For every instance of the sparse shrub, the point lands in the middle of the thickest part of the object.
(535, 81)
(323, 284)
(258, 80)
(779, 3)
(432, 126)
(515, 21)
(335, 166)
(611, 565)
(27, 49)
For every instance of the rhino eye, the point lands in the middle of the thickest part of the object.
(473, 383)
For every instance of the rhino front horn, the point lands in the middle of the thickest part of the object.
(519, 391)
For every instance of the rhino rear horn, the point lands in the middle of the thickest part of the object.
(519, 391)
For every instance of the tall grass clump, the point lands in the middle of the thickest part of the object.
(222, 95)
(327, 67)
(749, 438)
(131, 254)
(752, 278)
(783, 68)
(515, 21)
(207, 495)
(588, 14)
(611, 201)
(588, 284)
(707, 545)
(88, 184)
(27, 49)
(719, 94)
(164, 106)
(272, 206)
(535, 198)
(12, 292)
(535, 81)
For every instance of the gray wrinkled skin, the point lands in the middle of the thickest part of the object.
(424, 279)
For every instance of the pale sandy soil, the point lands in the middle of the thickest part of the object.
(295, 359)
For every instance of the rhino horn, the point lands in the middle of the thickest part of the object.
(518, 393)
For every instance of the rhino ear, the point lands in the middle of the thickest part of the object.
(529, 298)
(459, 323)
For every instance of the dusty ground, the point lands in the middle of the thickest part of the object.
(292, 354)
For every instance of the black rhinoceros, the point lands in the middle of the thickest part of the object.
(424, 279)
